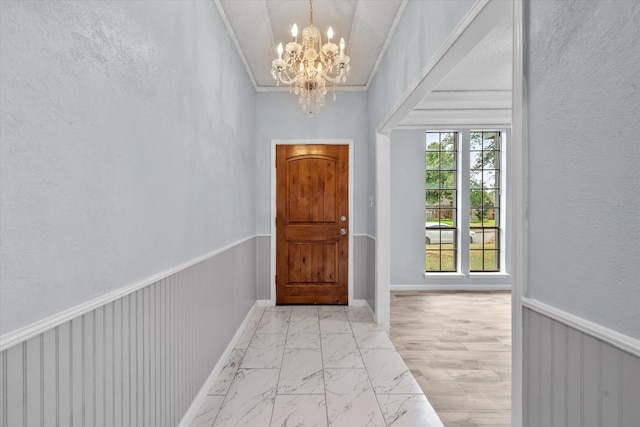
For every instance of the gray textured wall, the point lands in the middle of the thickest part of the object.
(127, 147)
(582, 66)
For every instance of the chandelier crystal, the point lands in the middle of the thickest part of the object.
(307, 66)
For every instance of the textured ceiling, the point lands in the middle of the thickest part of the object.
(259, 25)
(476, 92)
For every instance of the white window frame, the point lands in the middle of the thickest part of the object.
(463, 276)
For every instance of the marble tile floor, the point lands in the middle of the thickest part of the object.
(308, 366)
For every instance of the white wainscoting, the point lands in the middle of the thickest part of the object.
(573, 378)
(263, 266)
(138, 359)
(364, 268)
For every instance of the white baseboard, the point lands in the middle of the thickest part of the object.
(264, 303)
(450, 287)
(616, 339)
(364, 303)
(197, 402)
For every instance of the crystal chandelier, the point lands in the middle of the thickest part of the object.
(308, 66)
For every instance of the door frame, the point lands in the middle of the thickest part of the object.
(274, 142)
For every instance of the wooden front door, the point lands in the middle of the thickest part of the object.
(312, 224)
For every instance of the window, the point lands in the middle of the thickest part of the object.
(447, 204)
(484, 201)
(440, 201)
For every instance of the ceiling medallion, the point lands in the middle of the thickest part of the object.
(307, 66)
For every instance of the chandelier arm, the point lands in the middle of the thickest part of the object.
(284, 78)
(335, 79)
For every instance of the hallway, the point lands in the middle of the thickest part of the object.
(315, 366)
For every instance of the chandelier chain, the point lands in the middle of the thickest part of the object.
(311, 13)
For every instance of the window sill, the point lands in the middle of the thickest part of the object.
(470, 275)
(445, 275)
(489, 275)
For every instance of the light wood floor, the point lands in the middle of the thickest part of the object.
(458, 347)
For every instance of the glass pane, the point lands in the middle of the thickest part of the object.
(447, 179)
(432, 160)
(491, 198)
(477, 216)
(490, 237)
(475, 159)
(491, 260)
(490, 159)
(475, 260)
(448, 142)
(447, 216)
(489, 179)
(448, 160)
(476, 140)
(476, 199)
(475, 179)
(433, 140)
(484, 200)
(432, 179)
(432, 259)
(488, 219)
(490, 140)
(432, 198)
(448, 260)
(440, 203)
(438, 259)
(447, 199)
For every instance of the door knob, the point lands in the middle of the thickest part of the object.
(343, 231)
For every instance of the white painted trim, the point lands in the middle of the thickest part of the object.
(390, 34)
(435, 125)
(518, 174)
(232, 35)
(364, 235)
(383, 230)
(197, 402)
(469, 276)
(346, 141)
(288, 89)
(36, 328)
(264, 303)
(364, 303)
(451, 287)
(478, 22)
(620, 341)
(354, 235)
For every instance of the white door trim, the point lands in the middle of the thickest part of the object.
(275, 142)
(518, 174)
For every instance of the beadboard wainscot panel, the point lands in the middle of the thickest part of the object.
(577, 373)
(370, 289)
(134, 357)
(360, 266)
(364, 269)
(263, 266)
